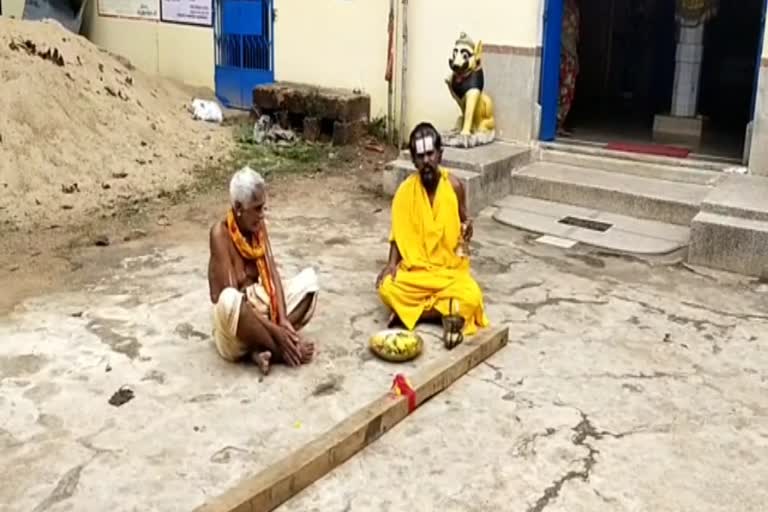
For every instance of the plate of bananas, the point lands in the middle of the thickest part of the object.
(396, 345)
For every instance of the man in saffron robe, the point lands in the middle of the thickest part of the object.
(255, 314)
(425, 276)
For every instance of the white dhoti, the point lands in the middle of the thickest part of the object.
(226, 312)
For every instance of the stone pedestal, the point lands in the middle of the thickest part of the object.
(682, 131)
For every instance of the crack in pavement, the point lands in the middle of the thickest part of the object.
(522, 287)
(64, 489)
(584, 430)
(605, 499)
(699, 325)
(511, 395)
(754, 408)
(728, 314)
(638, 376)
(532, 308)
(527, 446)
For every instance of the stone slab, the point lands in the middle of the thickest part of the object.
(486, 171)
(626, 234)
(685, 131)
(563, 243)
(734, 244)
(197, 424)
(634, 196)
(646, 380)
(597, 150)
(740, 196)
(269, 489)
(647, 169)
(321, 102)
(484, 158)
(396, 172)
(634, 390)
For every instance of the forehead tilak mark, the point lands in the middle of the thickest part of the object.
(425, 144)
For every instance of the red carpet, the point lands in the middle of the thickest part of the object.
(649, 149)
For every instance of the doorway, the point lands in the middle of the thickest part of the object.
(626, 66)
(244, 49)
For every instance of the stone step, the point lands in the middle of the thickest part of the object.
(646, 169)
(701, 164)
(635, 196)
(485, 170)
(729, 243)
(396, 172)
(739, 196)
(731, 232)
(605, 230)
(496, 156)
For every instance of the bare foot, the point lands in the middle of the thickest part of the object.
(394, 321)
(262, 360)
(307, 349)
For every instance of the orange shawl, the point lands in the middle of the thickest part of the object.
(255, 251)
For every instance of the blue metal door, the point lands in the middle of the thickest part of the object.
(759, 59)
(245, 54)
(549, 94)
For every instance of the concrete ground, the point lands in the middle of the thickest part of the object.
(626, 386)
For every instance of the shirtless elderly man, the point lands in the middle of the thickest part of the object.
(254, 315)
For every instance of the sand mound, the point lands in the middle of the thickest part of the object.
(81, 129)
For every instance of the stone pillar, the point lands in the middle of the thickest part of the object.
(683, 125)
(690, 50)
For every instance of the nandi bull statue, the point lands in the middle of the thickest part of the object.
(476, 124)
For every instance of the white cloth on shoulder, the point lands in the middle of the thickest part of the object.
(226, 311)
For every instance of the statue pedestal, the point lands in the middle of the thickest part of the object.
(683, 126)
(455, 139)
(682, 131)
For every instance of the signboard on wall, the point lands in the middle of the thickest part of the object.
(187, 12)
(136, 9)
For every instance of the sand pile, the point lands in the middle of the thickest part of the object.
(82, 130)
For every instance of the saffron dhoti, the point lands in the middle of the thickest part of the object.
(430, 275)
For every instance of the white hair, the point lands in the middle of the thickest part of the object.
(244, 184)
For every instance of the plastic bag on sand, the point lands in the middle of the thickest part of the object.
(207, 111)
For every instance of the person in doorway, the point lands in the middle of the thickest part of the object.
(254, 315)
(424, 276)
(569, 62)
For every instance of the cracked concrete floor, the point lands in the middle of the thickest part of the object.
(625, 386)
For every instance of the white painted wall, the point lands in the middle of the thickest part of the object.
(434, 25)
(335, 43)
(14, 8)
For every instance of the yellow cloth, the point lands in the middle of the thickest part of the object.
(430, 273)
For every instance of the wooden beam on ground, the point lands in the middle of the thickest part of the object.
(278, 483)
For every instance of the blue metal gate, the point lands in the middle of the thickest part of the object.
(245, 53)
(549, 93)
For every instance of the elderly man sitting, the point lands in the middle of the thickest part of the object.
(254, 314)
(425, 275)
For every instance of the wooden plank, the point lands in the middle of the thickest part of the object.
(278, 483)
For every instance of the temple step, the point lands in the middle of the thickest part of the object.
(669, 169)
(486, 171)
(566, 225)
(615, 192)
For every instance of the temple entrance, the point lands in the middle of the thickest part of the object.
(628, 57)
